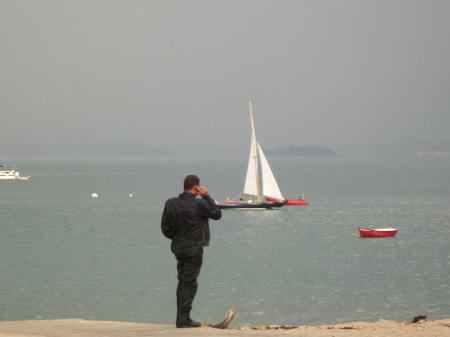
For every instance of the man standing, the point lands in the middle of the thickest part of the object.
(185, 222)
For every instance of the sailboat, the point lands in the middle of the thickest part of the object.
(259, 181)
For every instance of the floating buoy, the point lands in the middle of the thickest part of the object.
(130, 195)
(94, 195)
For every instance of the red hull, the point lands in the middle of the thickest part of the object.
(290, 202)
(297, 202)
(377, 233)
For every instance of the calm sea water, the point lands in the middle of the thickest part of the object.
(66, 255)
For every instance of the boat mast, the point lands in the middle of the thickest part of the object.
(255, 152)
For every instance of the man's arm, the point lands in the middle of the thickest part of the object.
(166, 228)
(211, 209)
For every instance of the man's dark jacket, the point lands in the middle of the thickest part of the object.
(185, 220)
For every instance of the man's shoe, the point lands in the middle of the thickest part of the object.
(191, 324)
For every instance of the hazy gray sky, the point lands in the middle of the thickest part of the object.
(332, 73)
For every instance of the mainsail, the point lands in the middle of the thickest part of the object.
(251, 183)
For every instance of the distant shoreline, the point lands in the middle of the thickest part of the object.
(301, 151)
(433, 154)
(85, 328)
(12, 159)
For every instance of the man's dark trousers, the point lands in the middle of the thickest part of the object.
(189, 262)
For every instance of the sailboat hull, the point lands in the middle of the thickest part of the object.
(253, 205)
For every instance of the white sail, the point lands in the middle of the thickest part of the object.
(250, 186)
(270, 186)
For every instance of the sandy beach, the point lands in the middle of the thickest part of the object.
(84, 328)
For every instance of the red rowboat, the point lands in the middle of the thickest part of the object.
(290, 202)
(377, 233)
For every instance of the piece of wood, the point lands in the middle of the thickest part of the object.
(225, 323)
(418, 318)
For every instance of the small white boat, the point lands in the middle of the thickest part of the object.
(11, 174)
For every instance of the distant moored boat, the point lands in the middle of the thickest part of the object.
(11, 174)
(290, 202)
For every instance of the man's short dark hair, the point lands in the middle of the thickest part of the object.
(190, 181)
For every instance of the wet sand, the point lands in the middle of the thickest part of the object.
(84, 328)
